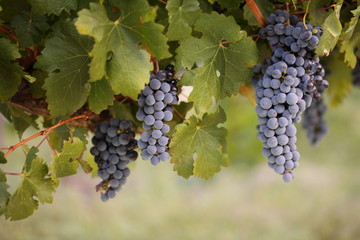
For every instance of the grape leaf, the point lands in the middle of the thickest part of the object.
(66, 58)
(30, 156)
(101, 95)
(116, 54)
(10, 72)
(29, 29)
(2, 159)
(21, 120)
(230, 4)
(65, 164)
(197, 146)
(340, 79)
(182, 16)
(125, 111)
(348, 48)
(220, 68)
(4, 194)
(35, 187)
(332, 29)
(350, 27)
(41, 7)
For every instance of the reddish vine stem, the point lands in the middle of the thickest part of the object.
(1, 149)
(256, 11)
(44, 132)
(313, 10)
(163, 2)
(9, 33)
(180, 115)
(15, 174)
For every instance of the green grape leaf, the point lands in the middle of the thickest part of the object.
(125, 111)
(350, 27)
(21, 120)
(182, 16)
(230, 4)
(2, 159)
(116, 53)
(101, 96)
(30, 156)
(41, 7)
(4, 194)
(29, 29)
(220, 68)
(348, 48)
(332, 29)
(93, 165)
(197, 146)
(66, 164)
(340, 79)
(35, 187)
(66, 58)
(10, 72)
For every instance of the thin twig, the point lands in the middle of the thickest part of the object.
(163, 2)
(180, 115)
(44, 132)
(6, 148)
(256, 11)
(306, 12)
(313, 10)
(15, 174)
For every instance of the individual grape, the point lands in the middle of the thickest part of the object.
(103, 174)
(118, 174)
(149, 120)
(168, 116)
(287, 177)
(265, 103)
(164, 156)
(104, 197)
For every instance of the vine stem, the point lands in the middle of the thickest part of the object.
(163, 2)
(313, 10)
(256, 11)
(44, 132)
(9, 33)
(15, 174)
(306, 12)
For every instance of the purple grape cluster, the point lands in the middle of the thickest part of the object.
(288, 85)
(155, 108)
(298, 43)
(114, 144)
(314, 122)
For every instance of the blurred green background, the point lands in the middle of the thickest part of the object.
(245, 201)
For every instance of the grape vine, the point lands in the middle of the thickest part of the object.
(80, 70)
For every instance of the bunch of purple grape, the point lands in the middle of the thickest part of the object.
(287, 87)
(114, 144)
(155, 108)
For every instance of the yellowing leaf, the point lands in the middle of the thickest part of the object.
(197, 147)
(35, 187)
(332, 29)
(66, 164)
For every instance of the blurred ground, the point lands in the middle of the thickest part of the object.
(245, 201)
